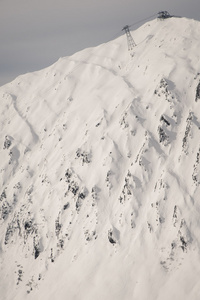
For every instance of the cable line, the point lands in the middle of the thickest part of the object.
(140, 21)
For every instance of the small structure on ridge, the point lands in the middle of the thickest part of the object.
(163, 15)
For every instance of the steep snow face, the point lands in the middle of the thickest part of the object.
(100, 172)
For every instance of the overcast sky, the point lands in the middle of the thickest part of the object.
(35, 33)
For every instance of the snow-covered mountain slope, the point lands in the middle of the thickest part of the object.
(100, 172)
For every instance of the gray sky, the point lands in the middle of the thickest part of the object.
(35, 33)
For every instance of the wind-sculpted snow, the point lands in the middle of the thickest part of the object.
(99, 172)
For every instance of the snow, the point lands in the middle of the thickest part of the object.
(99, 172)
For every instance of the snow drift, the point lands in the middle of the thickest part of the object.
(100, 172)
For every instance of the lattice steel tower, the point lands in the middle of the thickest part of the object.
(130, 41)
